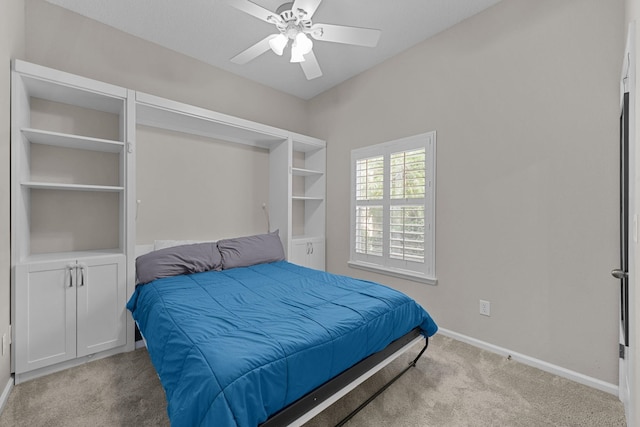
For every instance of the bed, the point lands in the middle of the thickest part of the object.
(234, 344)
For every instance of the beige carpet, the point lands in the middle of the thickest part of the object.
(454, 384)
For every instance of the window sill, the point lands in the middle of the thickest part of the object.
(403, 274)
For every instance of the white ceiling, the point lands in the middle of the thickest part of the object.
(212, 31)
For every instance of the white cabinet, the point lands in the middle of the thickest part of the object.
(72, 160)
(67, 309)
(308, 252)
(297, 198)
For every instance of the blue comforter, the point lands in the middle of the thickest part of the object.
(233, 347)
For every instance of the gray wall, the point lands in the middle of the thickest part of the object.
(11, 46)
(524, 99)
(196, 188)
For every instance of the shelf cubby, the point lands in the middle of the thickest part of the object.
(69, 163)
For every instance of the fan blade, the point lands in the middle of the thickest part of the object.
(308, 6)
(310, 66)
(253, 9)
(349, 35)
(254, 51)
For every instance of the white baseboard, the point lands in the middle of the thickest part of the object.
(4, 397)
(50, 369)
(536, 363)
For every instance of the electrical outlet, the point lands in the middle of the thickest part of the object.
(485, 308)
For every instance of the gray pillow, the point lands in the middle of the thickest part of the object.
(178, 260)
(251, 250)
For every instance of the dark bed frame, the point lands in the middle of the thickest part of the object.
(315, 398)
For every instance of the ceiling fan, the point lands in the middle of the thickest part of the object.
(293, 22)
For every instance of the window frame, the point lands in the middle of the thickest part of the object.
(421, 272)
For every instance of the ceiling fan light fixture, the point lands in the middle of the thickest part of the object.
(303, 43)
(278, 43)
(296, 54)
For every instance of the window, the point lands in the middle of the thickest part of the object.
(393, 209)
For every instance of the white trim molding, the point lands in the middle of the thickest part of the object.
(4, 397)
(536, 363)
(395, 272)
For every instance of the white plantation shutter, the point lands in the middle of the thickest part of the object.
(406, 233)
(406, 218)
(407, 174)
(370, 178)
(369, 230)
(392, 215)
(369, 215)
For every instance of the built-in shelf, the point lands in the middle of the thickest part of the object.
(55, 256)
(306, 144)
(163, 113)
(59, 86)
(72, 187)
(305, 237)
(307, 198)
(43, 137)
(306, 172)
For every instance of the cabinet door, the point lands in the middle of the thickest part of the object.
(315, 258)
(298, 253)
(308, 253)
(101, 291)
(45, 328)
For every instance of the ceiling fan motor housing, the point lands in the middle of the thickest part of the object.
(292, 23)
(285, 7)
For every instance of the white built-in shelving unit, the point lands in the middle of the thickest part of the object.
(308, 202)
(296, 168)
(73, 203)
(72, 176)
